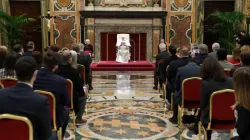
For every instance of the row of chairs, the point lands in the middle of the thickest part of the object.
(14, 120)
(7, 82)
(220, 105)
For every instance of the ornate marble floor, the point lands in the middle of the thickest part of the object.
(124, 106)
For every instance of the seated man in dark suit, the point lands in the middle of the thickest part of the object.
(79, 99)
(84, 59)
(188, 71)
(18, 49)
(173, 67)
(202, 54)
(161, 56)
(47, 80)
(30, 48)
(23, 101)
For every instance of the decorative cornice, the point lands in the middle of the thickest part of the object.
(123, 14)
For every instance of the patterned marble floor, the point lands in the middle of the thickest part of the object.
(124, 106)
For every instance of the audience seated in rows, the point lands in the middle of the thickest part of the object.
(213, 79)
(3, 53)
(9, 66)
(161, 56)
(47, 80)
(202, 54)
(222, 58)
(241, 82)
(18, 49)
(74, 59)
(30, 48)
(172, 50)
(85, 60)
(245, 59)
(38, 57)
(188, 71)
(54, 48)
(215, 47)
(22, 100)
(67, 71)
(172, 71)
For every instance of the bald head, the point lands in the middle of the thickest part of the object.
(184, 52)
(67, 56)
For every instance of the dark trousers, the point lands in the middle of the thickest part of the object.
(53, 136)
(168, 92)
(65, 124)
(155, 79)
(90, 78)
(175, 109)
(81, 106)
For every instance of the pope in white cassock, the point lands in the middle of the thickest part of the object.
(123, 51)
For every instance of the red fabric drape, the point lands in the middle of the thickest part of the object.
(108, 42)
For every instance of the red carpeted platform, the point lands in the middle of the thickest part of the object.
(114, 66)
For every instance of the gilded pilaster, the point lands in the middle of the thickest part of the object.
(4, 6)
(44, 9)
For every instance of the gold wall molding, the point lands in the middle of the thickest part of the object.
(156, 40)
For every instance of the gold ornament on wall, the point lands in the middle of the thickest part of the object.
(64, 3)
(156, 3)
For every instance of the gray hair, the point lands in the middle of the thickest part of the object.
(203, 49)
(216, 46)
(74, 59)
(162, 47)
(81, 46)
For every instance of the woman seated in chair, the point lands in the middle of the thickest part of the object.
(123, 53)
(9, 66)
(214, 79)
(241, 80)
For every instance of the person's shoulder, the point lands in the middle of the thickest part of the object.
(229, 79)
(206, 82)
(58, 78)
(242, 110)
(38, 97)
(4, 92)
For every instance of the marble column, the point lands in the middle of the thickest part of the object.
(239, 5)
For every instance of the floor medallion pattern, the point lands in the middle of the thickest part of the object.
(123, 106)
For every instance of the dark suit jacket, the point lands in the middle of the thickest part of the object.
(188, 71)
(48, 81)
(207, 88)
(213, 54)
(243, 123)
(163, 55)
(65, 70)
(199, 58)
(21, 100)
(88, 48)
(166, 63)
(28, 53)
(244, 40)
(84, 59)
(172, 69)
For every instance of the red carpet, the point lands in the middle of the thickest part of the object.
(114, 66)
